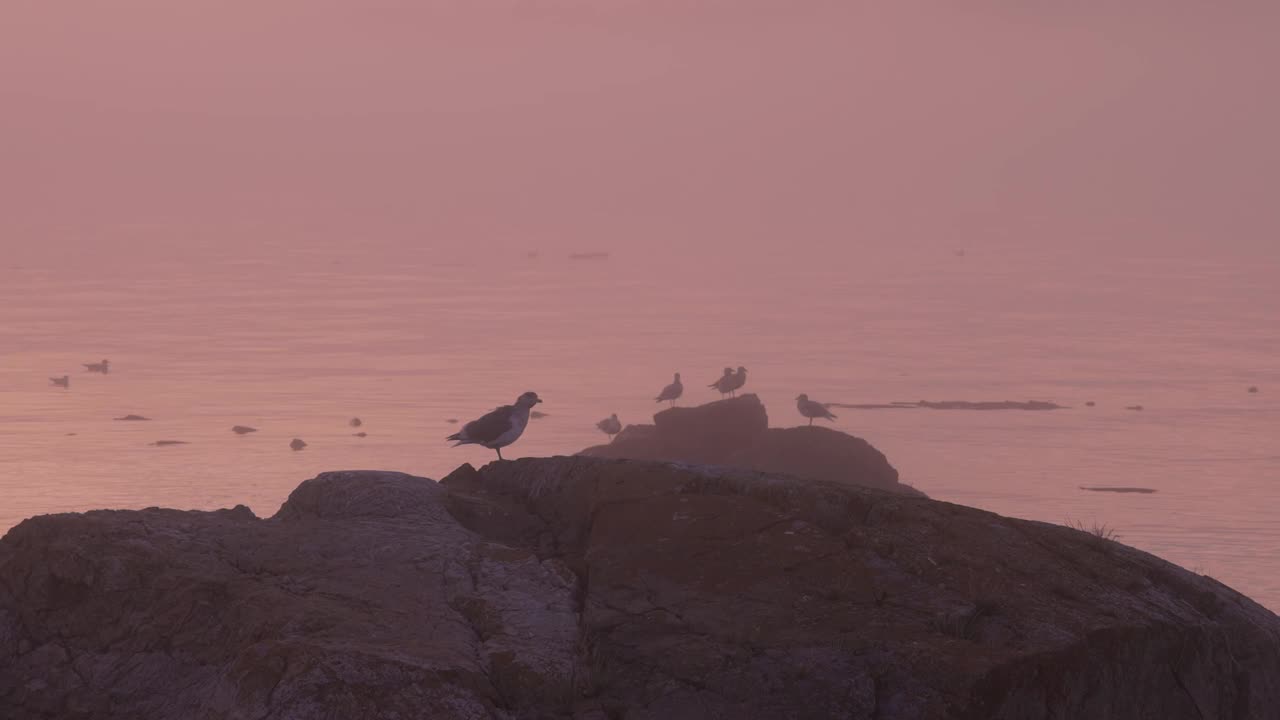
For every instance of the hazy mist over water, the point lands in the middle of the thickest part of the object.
(288, 215)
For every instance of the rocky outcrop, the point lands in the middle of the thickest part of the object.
(600, 589)
(736, 433)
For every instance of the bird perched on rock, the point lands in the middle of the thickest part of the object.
(103, 367)
(499, 428)
(739, 379)
(811, 409)
(62, 382)
(672, 392)
(610, 426)
(724, 383)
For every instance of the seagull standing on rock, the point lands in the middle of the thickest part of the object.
(672, 392)
(610, 426)
(737, 381)
(498, 428)
(811, 409)
(724, 383)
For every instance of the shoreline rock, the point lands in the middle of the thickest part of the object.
(577, 587)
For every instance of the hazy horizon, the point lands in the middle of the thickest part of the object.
(144, 126)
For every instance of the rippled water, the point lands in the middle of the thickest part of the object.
(296, 344)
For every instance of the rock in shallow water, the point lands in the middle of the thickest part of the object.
(562, 587)
(736, 433)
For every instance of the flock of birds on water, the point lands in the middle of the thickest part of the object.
(504, 425)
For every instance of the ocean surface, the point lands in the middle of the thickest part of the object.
(297, 343)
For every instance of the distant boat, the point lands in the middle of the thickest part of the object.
(589, 256)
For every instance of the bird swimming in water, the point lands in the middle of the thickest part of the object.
(672, 392)
(724, 383)
(739, 379)
(610, 426)
(499, 428)
(811, 409)
(62, 382)
(103, 367)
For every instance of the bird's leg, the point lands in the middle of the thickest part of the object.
(500, 451)
(810, 422)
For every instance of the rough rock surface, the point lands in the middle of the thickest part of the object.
(736, 433)
(601, 589)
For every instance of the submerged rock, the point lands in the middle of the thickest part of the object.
(132, 418)
(991, 405)
(243, 430)
(736, 433)
(585, 588)
(954, 405)
(297, 444)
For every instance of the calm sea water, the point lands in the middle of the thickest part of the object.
(297, 343)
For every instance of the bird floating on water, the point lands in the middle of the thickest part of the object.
(499, 428)
(62, 382)
(672, 392)
(610, 426)
(103, 367)
(812, 409)
(724, 383)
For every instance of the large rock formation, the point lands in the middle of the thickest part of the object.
(736, 433)
(598, 589)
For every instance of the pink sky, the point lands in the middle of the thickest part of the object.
(539, 122)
